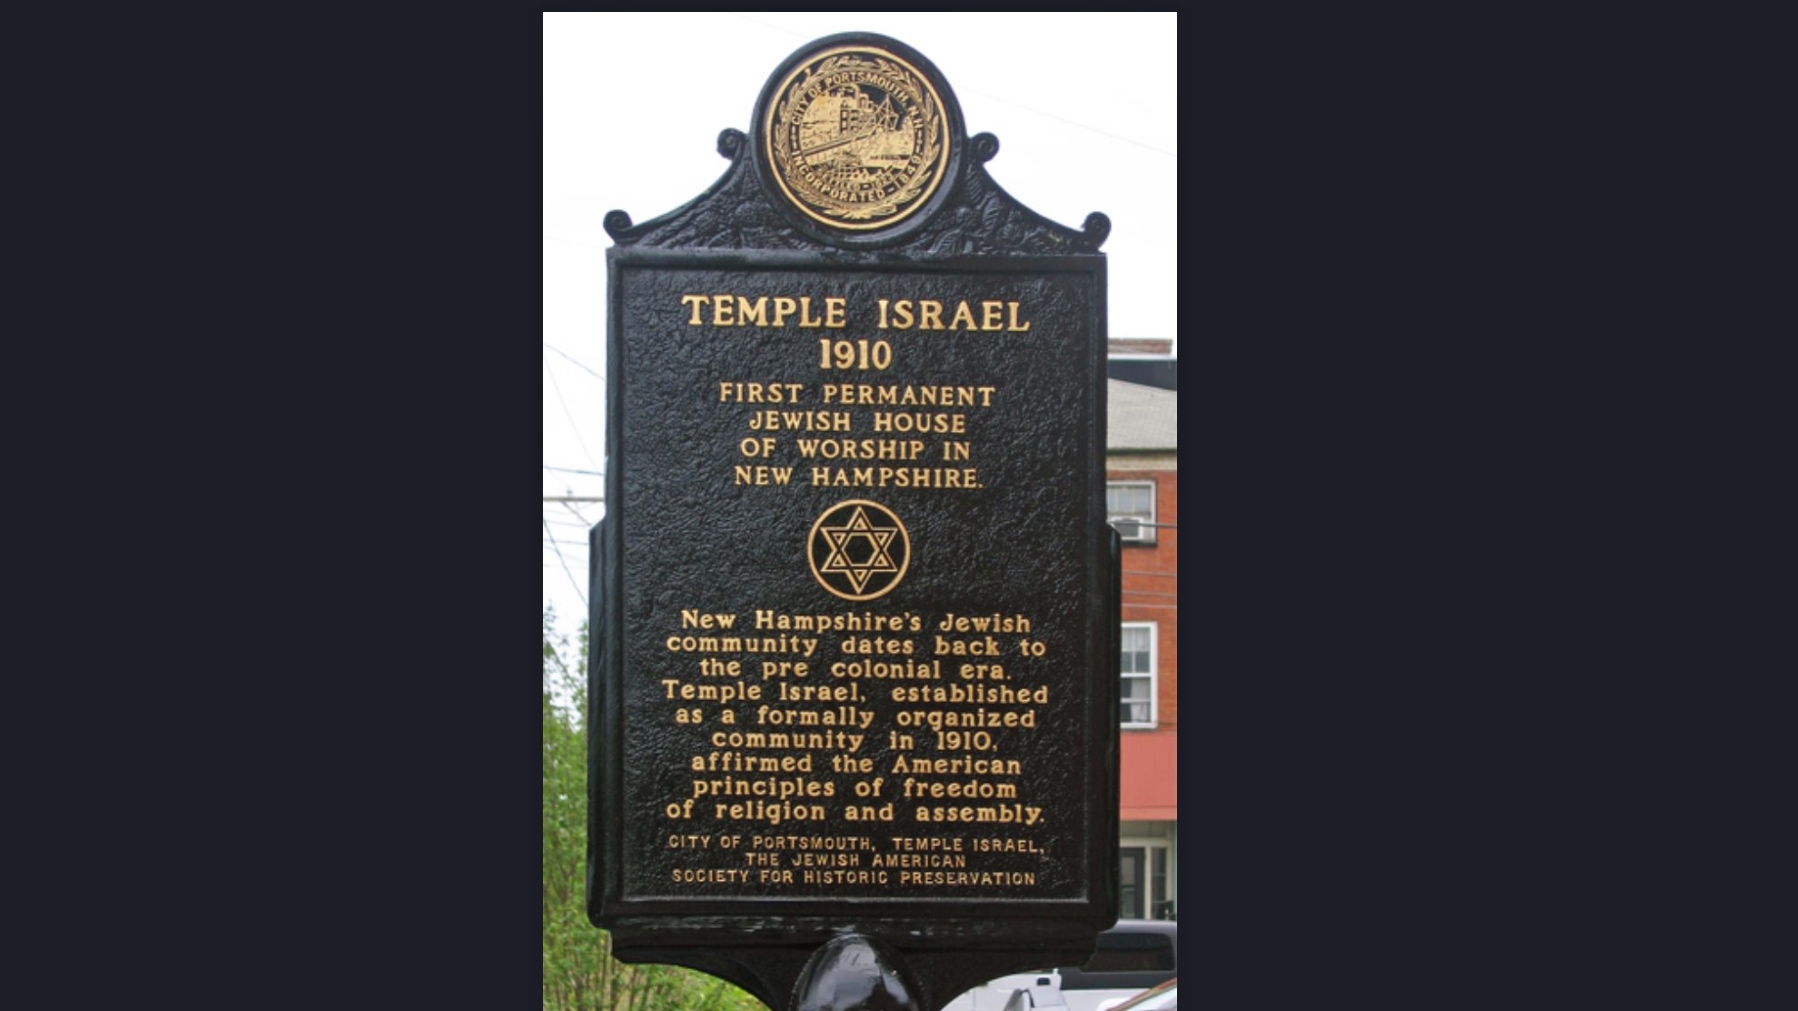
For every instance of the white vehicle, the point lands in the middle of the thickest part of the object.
(1038, 997)
(1165, 997)
(1132, 956)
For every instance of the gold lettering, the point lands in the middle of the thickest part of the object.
(895, 477)
(1013, 813)
(1014, 327)
(712, 692)
(962, 312)
(990, 315)
(759, 393)
(908, 396)
(757, 314)
(760, 475)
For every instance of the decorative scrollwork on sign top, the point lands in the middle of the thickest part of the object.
(977, 218)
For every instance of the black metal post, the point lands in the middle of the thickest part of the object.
(856, 973)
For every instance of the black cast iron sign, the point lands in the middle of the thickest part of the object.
(855, 600)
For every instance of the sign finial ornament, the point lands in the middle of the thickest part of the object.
(857, 137)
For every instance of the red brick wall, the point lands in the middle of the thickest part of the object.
(1151, 588)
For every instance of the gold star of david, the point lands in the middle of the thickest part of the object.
(856, 533)
(858, 549)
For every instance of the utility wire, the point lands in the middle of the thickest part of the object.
(572, 242)
(551, 373)
(1018, 105)
(1075, 123)
(570, 506)
(571, 582)
(571, 358)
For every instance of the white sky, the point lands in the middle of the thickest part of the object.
(1083, 106)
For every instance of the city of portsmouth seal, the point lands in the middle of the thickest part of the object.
(858, 549)
(857, 138)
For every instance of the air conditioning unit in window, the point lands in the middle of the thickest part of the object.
(1133, 529)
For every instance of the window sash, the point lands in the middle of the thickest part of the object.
(1137, 675)
(1131, 500)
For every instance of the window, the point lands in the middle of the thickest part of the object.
(1130, 505)
(1136, 692)
(1143, 892)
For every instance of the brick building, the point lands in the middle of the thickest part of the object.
(1142, 495)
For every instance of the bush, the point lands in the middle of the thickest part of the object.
(579, 972)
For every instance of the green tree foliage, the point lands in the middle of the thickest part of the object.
(579, 972)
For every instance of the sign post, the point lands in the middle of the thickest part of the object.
(854, 656)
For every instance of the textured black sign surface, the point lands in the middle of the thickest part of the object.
(858, 602)
(854, 656)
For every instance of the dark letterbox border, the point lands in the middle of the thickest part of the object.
(914, 924)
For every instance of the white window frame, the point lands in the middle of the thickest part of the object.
(1149, 844)
(1153, 676)
(1145, 531)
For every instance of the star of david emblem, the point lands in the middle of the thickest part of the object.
(858, 550)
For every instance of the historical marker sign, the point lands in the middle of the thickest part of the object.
(854, 656)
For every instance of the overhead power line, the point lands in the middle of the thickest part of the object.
(570, 575)
(997, 98)
(557, 389)
(571, 358)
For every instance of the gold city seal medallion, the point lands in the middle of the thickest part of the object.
(856, 139)
(858, 549)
